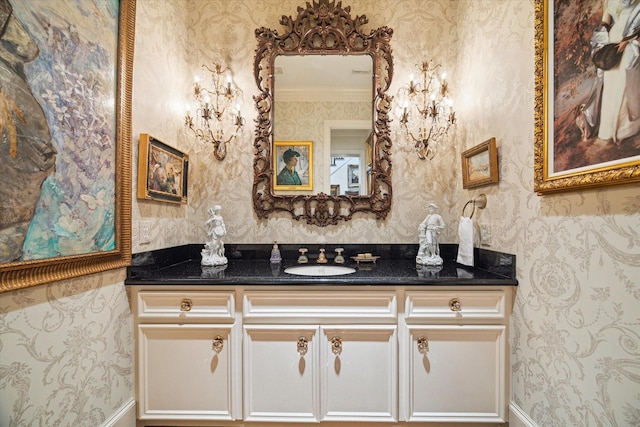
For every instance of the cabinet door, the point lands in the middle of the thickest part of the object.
(455, 373)
(359, 373)
(184, 372)
(280, 370)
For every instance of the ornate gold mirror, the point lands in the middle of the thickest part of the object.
(324, 29)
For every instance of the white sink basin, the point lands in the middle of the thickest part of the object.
(319, 270)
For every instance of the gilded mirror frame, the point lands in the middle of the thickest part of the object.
(323, 27)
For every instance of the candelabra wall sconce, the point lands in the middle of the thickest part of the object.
(217, 120)
(427, 112)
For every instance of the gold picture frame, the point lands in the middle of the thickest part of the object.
(22, 273)
(480, 165)
(163, 171)
(286, 181)
(569, 153)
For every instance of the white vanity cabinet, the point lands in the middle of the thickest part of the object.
(186, 360)
(342, 355)
(454, 356)
(320, 356)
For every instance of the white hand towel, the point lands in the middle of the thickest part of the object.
(465, 246)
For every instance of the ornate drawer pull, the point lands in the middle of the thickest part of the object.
(336, 345)
(303, 346)
(455, 304)
(423, 345)
(186, 305)
(218, 344)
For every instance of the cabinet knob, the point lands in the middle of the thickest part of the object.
(455, 304)
(218, 344)
(186, 304)
(336, 345)
(423, 345)
(303, 346)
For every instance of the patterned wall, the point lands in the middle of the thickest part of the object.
(576, 328)
(576, 341)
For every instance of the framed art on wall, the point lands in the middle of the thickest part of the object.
(587, 122)
(294, 165)
(68, 123)
(353, 175)
(480, 165)
(162, 171)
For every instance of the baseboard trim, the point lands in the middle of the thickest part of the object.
(126, 415)
(519, 418)
(123, 417)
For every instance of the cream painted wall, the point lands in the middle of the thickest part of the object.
(575, 342)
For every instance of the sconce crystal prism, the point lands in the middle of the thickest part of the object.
(427, 112)
(217, 120)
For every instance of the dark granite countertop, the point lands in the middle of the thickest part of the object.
(249, 265)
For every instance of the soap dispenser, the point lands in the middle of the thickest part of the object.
(275, 254)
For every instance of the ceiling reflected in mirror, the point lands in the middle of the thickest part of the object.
(323, 78)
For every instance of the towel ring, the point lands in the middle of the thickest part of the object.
(480, 201)
(465, 207)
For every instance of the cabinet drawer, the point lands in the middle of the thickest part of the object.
(186, 306)
(455, 306)
(319, 306)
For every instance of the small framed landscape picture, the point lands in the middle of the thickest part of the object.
(162, 171)
(480, 165)
(293, 161)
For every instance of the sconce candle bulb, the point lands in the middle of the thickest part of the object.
(427, 111)
(217, 111)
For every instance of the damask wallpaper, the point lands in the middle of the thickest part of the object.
(575, 344)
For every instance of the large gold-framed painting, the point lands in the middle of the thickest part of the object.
(587, 99)
(65, 129)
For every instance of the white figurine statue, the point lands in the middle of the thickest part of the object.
(213, 252)
(428, 231)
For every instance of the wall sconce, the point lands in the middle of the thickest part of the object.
(427, 111)
(217, 120)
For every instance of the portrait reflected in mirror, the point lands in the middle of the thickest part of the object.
(293, 162)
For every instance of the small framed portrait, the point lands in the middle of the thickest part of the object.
(162, 171)
(293, 162)
(480, 165)
(335, 189)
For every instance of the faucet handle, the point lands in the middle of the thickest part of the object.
(339, 259)
(302, 259)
